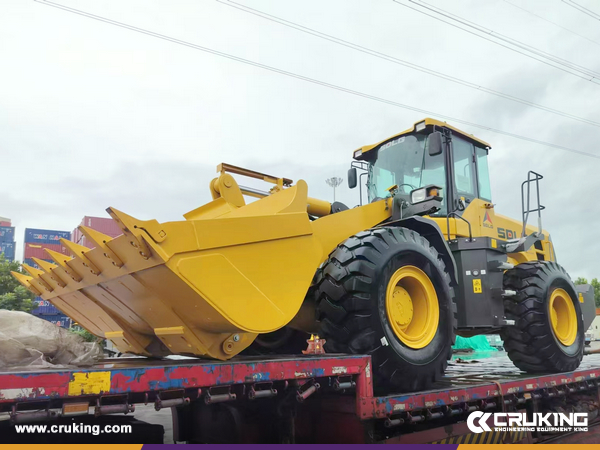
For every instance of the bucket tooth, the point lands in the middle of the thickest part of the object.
(32, 270)
(78, 252)
(100, 239)
(61, 260)
(44, 265)
(26, 282)
(128, 223)
(36, 279)
(49, 269)
(134, 228)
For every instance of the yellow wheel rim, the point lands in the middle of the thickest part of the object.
(563, 317)
(412, 307)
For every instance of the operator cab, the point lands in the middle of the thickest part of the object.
(430, 154)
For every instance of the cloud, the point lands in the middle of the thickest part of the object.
(93, 116)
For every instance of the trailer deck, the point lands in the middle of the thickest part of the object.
(339, 384)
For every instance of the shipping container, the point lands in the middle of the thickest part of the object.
(37, 250)
(8, 248)
(58, 319)
(45, 308)
(37, 236)
(31, 262)
(102, 224)
(7, 233)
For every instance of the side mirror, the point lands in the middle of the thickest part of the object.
(352, 178)
(435, 142)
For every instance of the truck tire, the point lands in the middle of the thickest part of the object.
(548, 334)
(386, 292)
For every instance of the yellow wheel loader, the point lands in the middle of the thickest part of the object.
(426, 257)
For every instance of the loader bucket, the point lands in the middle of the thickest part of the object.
(203, 286)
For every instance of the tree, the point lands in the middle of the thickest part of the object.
(595, 284)
(13, 296)
(86, 335)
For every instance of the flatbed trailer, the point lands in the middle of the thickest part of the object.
(305, 399)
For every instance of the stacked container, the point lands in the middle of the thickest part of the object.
(60, 320)
(104, 225)
(36, 241)
(8, 248)
(7, 239)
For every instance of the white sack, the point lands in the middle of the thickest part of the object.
(26, 340)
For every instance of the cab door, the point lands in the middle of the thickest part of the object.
(487, 217)
(472, 186)
(464, 170)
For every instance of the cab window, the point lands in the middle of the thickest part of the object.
(485, 191)
(464, 177)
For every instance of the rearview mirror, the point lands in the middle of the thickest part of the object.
(435, 143)
(352, 178)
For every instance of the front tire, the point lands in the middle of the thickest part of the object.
(386, 292)
(548, 335)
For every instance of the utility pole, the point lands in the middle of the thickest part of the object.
(334, 182)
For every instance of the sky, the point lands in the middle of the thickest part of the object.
(93, 115)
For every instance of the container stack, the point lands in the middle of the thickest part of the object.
(36, 241)
(51, 313)
(104, 225)
(7, 239)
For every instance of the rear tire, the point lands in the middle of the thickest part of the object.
(534, 344)
(351, 305)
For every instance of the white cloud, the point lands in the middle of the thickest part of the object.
(92, 115)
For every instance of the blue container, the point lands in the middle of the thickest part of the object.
(45, 308)
(7, 234)
(59, 319)
(31, 262)
(8, 248)
(36, 236)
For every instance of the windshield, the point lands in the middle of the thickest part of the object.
(405, 161)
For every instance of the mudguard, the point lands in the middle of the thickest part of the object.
(585, 292)
(432, 232)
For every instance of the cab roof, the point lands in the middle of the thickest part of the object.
(427, 121)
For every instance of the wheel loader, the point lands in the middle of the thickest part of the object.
(425, 257)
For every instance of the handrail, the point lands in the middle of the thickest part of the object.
(454, 214)
(540, 207)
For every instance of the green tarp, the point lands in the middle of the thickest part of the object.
(478, 343)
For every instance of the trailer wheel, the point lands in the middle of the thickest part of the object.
(548, 334)
(386, 292)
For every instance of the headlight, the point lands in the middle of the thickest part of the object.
(357, 153)
(421, 194)
(420, 126)
(418, 195)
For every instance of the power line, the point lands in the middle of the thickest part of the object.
(307, 79)
(583, 9)
(389, 58)
(550, 21)
(507, 39)
(494, 37)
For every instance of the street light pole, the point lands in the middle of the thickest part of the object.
(334, 182)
